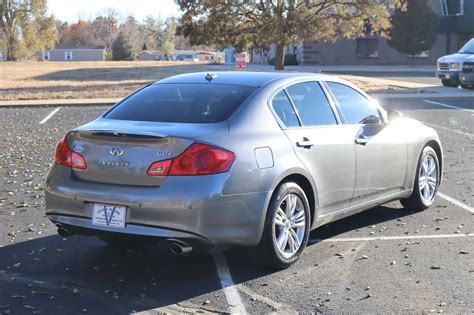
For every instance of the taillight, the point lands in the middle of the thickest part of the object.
(65, 156)
(160, 168)
(198, 159)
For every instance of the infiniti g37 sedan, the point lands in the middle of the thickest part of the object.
(238, 159)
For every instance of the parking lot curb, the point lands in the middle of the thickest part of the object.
(403, 96)
(65, 102)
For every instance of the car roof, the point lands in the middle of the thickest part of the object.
(248, 78)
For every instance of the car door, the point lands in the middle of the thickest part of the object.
(380, 149)
(325, 146)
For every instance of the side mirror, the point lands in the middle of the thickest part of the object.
(371, 120)
(393, 115)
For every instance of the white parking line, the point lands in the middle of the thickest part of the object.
(450, 106)
(456, 202)
(230, 291)
(50, 115)
(470, 135)
(389, 238)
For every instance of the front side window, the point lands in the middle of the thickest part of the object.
(283, 108)
(312, 104)
(182, 103)
(355, 108)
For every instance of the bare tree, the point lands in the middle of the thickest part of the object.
(26, 26)
(134, 31)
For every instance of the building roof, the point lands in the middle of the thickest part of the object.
(184, 52)
(206, 53)
(150, 52)
(77, 47)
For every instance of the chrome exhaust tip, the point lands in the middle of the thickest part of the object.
(178, 247)
(64, 232)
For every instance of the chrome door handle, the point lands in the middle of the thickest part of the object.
(305, 143)
(361, 141)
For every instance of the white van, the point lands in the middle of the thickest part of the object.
(450, 67)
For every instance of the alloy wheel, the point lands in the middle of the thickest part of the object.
(428, 178)
(289, 225)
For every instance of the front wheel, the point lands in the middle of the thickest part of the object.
(286, 229)
(426, 183)
(450, 83)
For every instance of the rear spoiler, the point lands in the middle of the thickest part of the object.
(123, 134)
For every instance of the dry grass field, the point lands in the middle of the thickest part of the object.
(31, 80)
(66, 80)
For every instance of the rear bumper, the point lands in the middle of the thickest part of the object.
(83, 226)
(183, 207)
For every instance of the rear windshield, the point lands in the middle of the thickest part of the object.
(183, 103)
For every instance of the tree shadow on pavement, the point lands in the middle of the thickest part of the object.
(243, 270)
(116, 74)
(53, 276)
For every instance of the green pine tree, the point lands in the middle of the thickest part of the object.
(413, 28)
(122, 49)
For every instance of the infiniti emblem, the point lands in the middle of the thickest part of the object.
(116, 151)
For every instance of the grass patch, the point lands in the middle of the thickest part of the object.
(33, 80)
(66, 80)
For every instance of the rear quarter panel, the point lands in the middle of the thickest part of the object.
(251, 127)
(417, 136)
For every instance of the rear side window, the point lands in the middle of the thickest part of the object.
(182, 103)
(355, 108)
(283, 108)
(312, 104)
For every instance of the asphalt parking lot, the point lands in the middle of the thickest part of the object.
(385, 260)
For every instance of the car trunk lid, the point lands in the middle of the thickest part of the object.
(120, 152)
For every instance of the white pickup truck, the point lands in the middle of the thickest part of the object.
(451, 67)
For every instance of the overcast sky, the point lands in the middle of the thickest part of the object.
(72, 10)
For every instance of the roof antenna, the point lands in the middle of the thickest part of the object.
(210, 76)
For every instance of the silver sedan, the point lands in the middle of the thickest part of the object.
(238, 158)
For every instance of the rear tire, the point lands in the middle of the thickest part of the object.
(426, 183)
(286, 228)
(449, 83)
(466, 86)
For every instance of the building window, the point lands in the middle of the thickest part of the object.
(46, 55)
(68, 55)
(367, 48)
(452, 7)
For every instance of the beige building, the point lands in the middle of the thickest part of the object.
(207, 56)
(92, 53)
